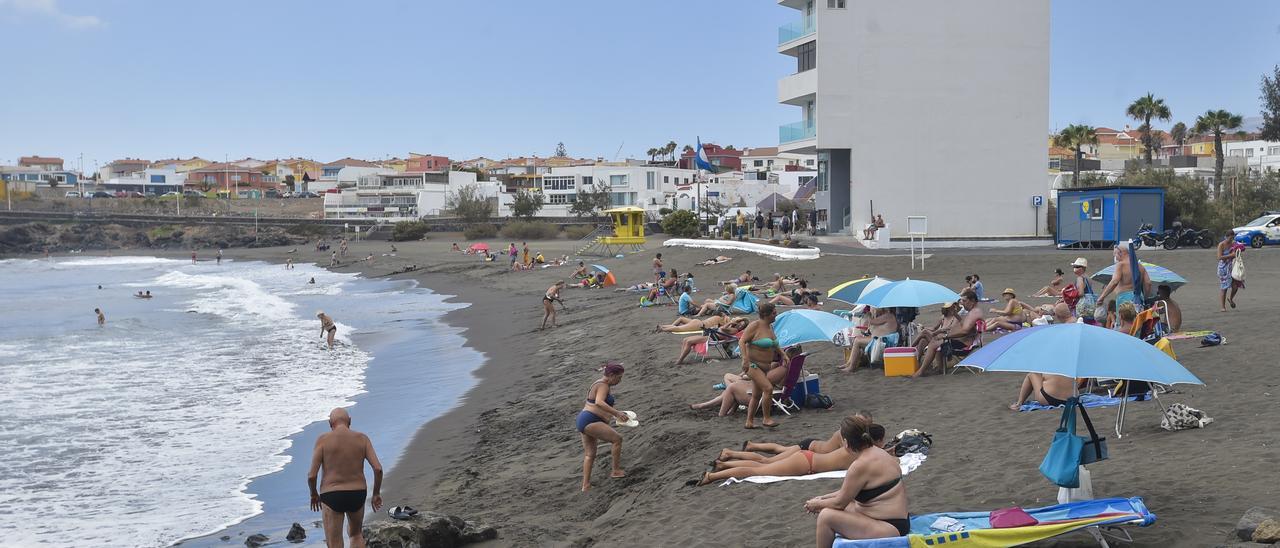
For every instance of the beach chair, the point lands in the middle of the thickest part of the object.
(979, 328)
(726, 343)
(782, 396)
(1098, 517)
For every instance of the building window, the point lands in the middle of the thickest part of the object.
(666, 180)
(835, 4)
(157, 179)
(560, 199)
(807, 56)
(1095, 208)
(616, 181)
(559, 182)
(650, 180)
(210, 178)
(586, 180)
(1273, 151)
(686, 180)
(808, 162)
(758, 163)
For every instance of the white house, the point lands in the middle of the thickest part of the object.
(646, 186)
(150, 181)
(398, 196)
(876, 83)
(766, 159)
(1259, 156)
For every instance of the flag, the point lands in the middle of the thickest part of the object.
(700, 159)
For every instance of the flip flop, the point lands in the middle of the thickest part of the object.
(398, 513)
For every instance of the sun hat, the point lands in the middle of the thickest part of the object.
(948, 305)
(1081, 262)
(1008, 291)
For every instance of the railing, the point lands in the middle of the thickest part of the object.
(795, 31)
(797, 131)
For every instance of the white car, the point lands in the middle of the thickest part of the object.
(71, 194)
(1261, 231)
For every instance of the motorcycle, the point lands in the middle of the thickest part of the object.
(1149, 237)
(1181, 236)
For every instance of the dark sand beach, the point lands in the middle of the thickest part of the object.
(509, 455)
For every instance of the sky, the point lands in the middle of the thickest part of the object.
(97, 80)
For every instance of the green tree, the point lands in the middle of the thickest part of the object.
(1145, 108)
(653, 153)
(681, 224)
(560, 150)
(290, 182)
(468, 204)
(526, 203)
(671, 149)
(593, 201)
(1271, 106)
(1179, 135)
(1075, 137)
(1216, 122)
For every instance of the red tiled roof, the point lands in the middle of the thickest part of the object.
(29, 160)
(761, 151)
(350, 162)
(224, 166)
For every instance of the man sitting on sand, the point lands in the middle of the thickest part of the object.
(960, 336)
(883, 325)
(342, 452)
(744, 278)
(581, 272)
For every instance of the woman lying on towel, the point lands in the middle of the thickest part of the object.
(715, 261)
(791, 463)
(688, 343)
(683, 323)
(872, 501)
(795, 296)
(752, 450)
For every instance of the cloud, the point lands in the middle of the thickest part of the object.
(50, 9)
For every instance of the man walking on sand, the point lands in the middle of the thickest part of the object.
(341, 452)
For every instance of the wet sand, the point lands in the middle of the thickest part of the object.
(510, 457)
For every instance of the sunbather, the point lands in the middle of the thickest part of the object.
(593, 423)
(1054, 289)
(715, 261)
(939, 330)
(667, 284)
(744, 278)
(737, 391)
(730, 459)
(760, 352)
(799, 462)
(832, 443)
(581, 272)
(594, 280)
(792, 297)
(883, 325)
(1012, 316)
(710, 306)
(872, 501)
(960, 336)
(1050, 390)
(1174, 317)
(693, 324)
(688, 343)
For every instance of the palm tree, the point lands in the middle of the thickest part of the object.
(1217, 122)
(652, 153)
(1145, 108)
(671, 149)
(1179, 135)
(1075, 137)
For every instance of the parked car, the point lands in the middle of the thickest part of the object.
(171, 194)
(286, 194)
(271, 193)
(71, 194)
(193, 194)
(101, 194)
(306, 194)
(1261, 231)
(135, 194)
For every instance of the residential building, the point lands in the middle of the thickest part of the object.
(877, 83)
(344, 173)
(649, 187)
(152, 181)
(766, 159)
(300, 168)
(1259, 156)
(46, 163)
(395, 164)
(28, 178)
(223, 177)
(720, 157)
(396, 196)
(479, 162)
(122, 168)
(1114, 144)
(251, 163)
(427, 162)
(181, 166)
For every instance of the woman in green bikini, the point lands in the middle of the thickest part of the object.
(759, 353)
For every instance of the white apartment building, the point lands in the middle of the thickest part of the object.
(1259, 156)
(345, 177)
(880, 86)
(398, 196)
(150, 181)
(765, 159)
(649, 187)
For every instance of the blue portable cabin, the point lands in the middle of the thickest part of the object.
(1100, 216)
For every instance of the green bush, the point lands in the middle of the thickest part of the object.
(530, 230)
(664, 211)
(409, 230)
(578, 232)
(480, 232)
(681, 224)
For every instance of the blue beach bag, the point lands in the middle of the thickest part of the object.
(1062, 463)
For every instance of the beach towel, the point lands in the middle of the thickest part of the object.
(1187, 335)
(1088, 400)
(908, 463)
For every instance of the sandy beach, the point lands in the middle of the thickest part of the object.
(510, 457)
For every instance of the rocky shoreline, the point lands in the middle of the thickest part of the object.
(32, 238)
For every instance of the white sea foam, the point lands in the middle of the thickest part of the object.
(148, 431)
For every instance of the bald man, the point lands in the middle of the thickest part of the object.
(342, 452)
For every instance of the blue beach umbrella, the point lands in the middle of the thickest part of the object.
(1159, 275)
(1079, 351)
(600, 268)
(908, 293)
(803, 326)
(850, 291)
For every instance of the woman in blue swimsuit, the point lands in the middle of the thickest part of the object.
(594, 426)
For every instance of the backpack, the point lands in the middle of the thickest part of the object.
(911, 441)
(818, 401)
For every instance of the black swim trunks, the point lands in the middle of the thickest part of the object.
(1052, 401)
(343, 502)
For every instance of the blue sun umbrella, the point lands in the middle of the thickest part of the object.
(600, 268)
(908, 293)
(850, 291)
(1159, 276)
(1079, 351)
(804, 326)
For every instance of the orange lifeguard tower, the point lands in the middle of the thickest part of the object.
(628, 233)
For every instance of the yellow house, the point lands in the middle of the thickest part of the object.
(300, 166)
(399, 164)
(180, 165)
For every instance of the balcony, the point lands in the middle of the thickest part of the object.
(797, 131)
(791, 32)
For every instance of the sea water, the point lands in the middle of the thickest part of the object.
(170, 421)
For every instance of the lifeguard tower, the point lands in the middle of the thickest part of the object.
(627, 234)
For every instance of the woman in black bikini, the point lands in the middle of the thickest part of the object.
(548, 304)
(872, 501)
(593, 423)
(327, 327)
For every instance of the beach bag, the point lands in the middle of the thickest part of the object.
(1179, 416)
(1061, 465)
(911, 441)
(818, 401)
(1095, 448)
(1237, 269)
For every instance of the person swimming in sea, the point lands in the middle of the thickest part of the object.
(312, 281)
(102, 320)
(327, 327)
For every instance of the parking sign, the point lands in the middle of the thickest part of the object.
(1037, 201)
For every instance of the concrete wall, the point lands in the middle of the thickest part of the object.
(896, 79)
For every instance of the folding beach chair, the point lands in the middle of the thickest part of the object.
(782, 396)
(979, 328)
(726, 343)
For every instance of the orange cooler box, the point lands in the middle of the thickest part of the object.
(899, 361)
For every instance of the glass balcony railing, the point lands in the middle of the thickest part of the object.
(795, 31)
(796, 131)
